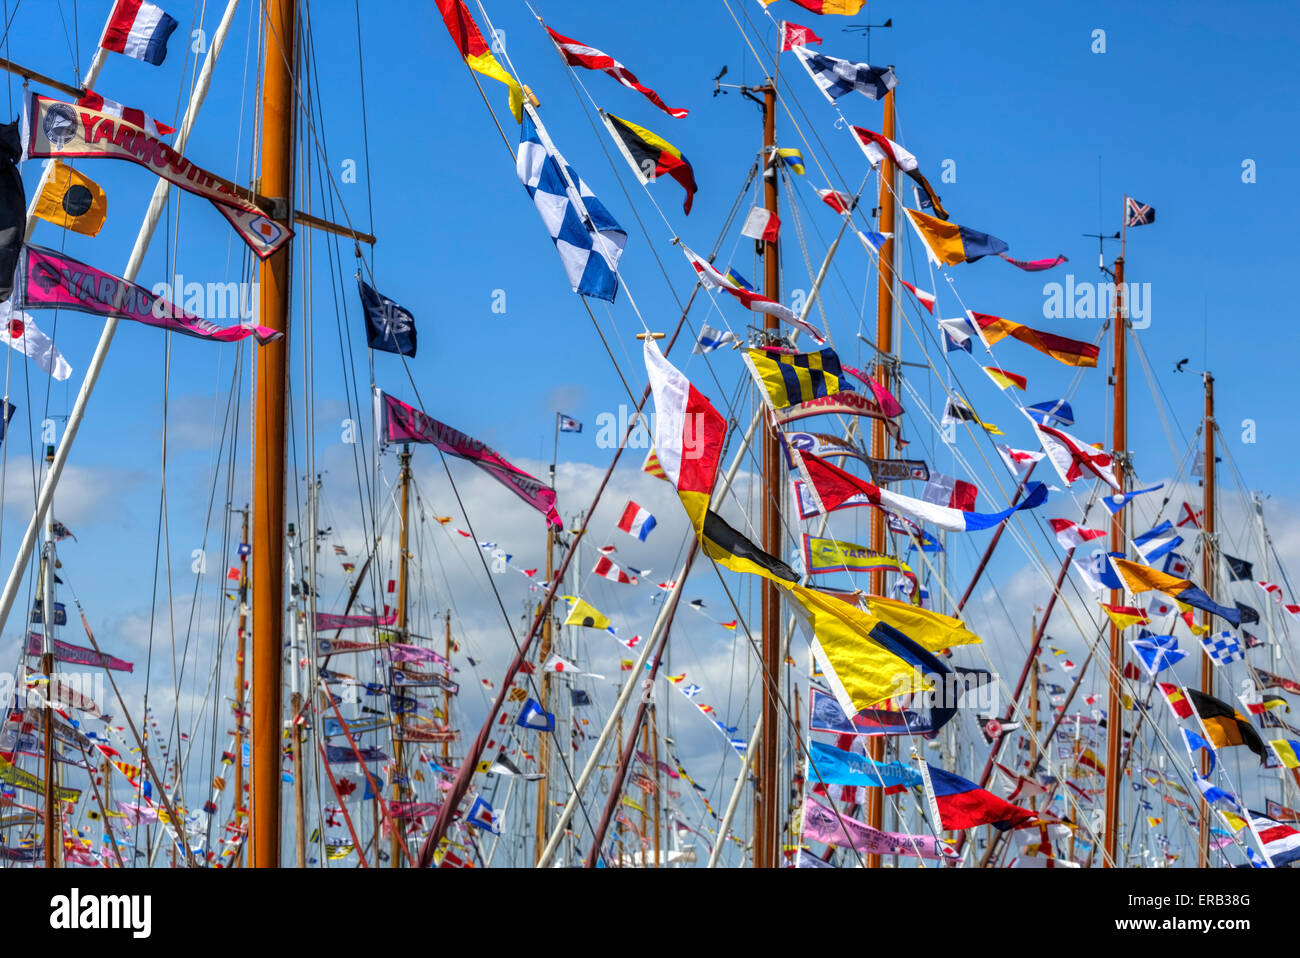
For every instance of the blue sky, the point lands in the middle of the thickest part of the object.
(1045, 136)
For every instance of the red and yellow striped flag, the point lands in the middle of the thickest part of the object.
(478, 55)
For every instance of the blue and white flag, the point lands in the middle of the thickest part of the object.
(1159, 541)
(1194, 742)
(533, 716)
(1177, 565)
(1051, 412)
(1222, 648)
(482, 816)
(1117, 502)
(589, 240)
(1157, 652)
(837, 767)
(837, 77)
(711, 339)
(568, 423)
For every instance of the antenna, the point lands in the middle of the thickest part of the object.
(717, 81)
(1101, 252)
(867, 28)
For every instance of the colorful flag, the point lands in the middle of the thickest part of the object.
(1222, 648)
(1269, 680)
(1281, 843)
(947, 244)
(651, 156)
(1157, 652)
(1005, 379)
(587, 237)
(1070, 457)
(845, 7)
(138, 30)
(653, 466)
(836, 77)
(1117, 502)
(478, 55)
(1123, 615)
(1159, 541)
(1287, 750)
(823, 824)
(1140, 578)
(957, 410)
(925, 299)
(71, 200)
(1138, 214)
(568, 423)
(878, 148)
(960, 804)
(822, 556)
(1071, 352)
(1178, 703)
(25, 337)
(482, 816)
(1224, 725)
(1051, 412)
(792, 378)
(389, 327)
(834, 766)
(400, 422)
(950, 492)
(792, 158)
(710, 278)
(533, 716)
(793, 35)
(636, 521)
(578, 54)
(840, 202)
(51, 280)
(585, 614)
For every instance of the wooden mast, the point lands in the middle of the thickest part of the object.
(1114, 707)
(1209, 566)
(403, 600)
(275, 281)
(446, 696)
(654, 754)
(879, 436)
(765, 796)
(544, 740)
(53, 843)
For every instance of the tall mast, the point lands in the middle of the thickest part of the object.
(1209, 566)
(765, 796)
(403, 600)
(275, 282)
(53, 841)
(544, 740)
(446, 696)
(879, 436)
(1114, 708)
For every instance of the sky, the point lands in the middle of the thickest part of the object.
(1028, 130)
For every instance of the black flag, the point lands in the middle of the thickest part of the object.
(13, 207)
(1239, 569)
(1248, 614)
(389, 327)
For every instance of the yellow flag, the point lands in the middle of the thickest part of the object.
(72, 201)
(585, 614)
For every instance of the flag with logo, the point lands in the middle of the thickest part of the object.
(389, 327)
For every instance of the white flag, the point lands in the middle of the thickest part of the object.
(22, 334)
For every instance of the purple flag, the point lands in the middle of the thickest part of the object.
(403, 423)
(50, 280)
(821, 824)
(328, 621)
(76, 654)
(411, 653)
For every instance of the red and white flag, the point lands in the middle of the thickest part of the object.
(761, 224)
(925, 299)
(578, 54)
(1071, 457)
(608, 570)
(1274, 590)
(1192, 516)
(25, 337)
(1071, 535)
(1018, 460)
(636, 521)
(840, 202)
(606, 550)
(710, 278)
(793, 35)
(94, 101)
(877, 148)
(557, 664)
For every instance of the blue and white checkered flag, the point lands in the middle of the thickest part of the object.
(837, 77)
(588, 239)
(1222, 648)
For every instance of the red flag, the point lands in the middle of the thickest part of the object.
(578, 54)
(793, 35)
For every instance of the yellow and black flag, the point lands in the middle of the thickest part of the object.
(652, 156)
(793, 378)
(71, 200)
(1224, 725)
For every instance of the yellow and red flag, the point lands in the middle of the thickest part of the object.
(478, 55)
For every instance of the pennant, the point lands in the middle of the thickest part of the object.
(1140, 578)
(823, 824)
(478, 55)
(71, 200)
(533, 716)
(711, 279)
(947, 244)
(793, 35)
(878, 148)
(834, 766)
(608, 570)
(1004, 379)
(400, 422)
(1117, 502)
(651, 156)
(1071, 352)
(925, 299)
(578, 54)
(845, 7)
(584, 614)
(1071, 535)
